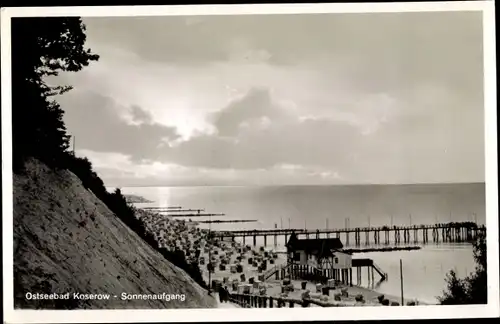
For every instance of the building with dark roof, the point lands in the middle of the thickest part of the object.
(319, 253)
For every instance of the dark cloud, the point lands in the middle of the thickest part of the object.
(312, 142)
(285, 139)
(140, 115)
(256, 104)
(392, 97)
(403, 41)
(95, 121)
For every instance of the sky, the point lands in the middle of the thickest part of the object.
(311, 99)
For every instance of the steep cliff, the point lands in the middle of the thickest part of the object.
(67, 241)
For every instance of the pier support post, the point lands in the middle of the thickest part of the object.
(275, 241)
(350, 277)
(265, 240)
(254, 240)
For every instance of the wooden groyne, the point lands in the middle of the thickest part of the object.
(160, 207)
(383, 249)
(443, 232)
(194, 215)
(228, 221)
(173, 211)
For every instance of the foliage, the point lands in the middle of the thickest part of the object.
(473, 288)
(41, 47)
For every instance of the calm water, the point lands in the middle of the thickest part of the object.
(335, 206)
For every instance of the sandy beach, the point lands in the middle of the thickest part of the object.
(228, 256)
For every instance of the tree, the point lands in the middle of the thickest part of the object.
(473, 288)
(41, 47)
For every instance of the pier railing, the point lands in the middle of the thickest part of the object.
(442, 232)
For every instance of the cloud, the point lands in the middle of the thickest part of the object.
(256, 132)
(255, 106)
(393, 43)
(359, 98)
(119, 170)
(100, 124)
(140, 115)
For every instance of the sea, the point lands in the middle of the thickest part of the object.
(319, 207)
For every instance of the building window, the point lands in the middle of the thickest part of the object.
(296, 256)
(336, 260)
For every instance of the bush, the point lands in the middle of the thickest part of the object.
(473, 288)
(45, 46)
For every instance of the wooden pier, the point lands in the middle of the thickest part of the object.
(422, 234)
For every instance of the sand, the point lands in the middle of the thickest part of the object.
(175, 233)
(67, 240)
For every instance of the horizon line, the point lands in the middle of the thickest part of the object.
(297, 185)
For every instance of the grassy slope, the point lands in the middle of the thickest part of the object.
(67, 240)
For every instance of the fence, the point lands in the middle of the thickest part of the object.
(256, 301)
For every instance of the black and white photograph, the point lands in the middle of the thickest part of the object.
(249, 156)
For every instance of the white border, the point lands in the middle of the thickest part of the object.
(295, 314)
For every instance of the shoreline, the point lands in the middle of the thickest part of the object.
(173, 233)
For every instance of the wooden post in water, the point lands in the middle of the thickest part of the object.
(401, 272)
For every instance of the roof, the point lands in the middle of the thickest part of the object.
(362, 262)
(314, 244)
